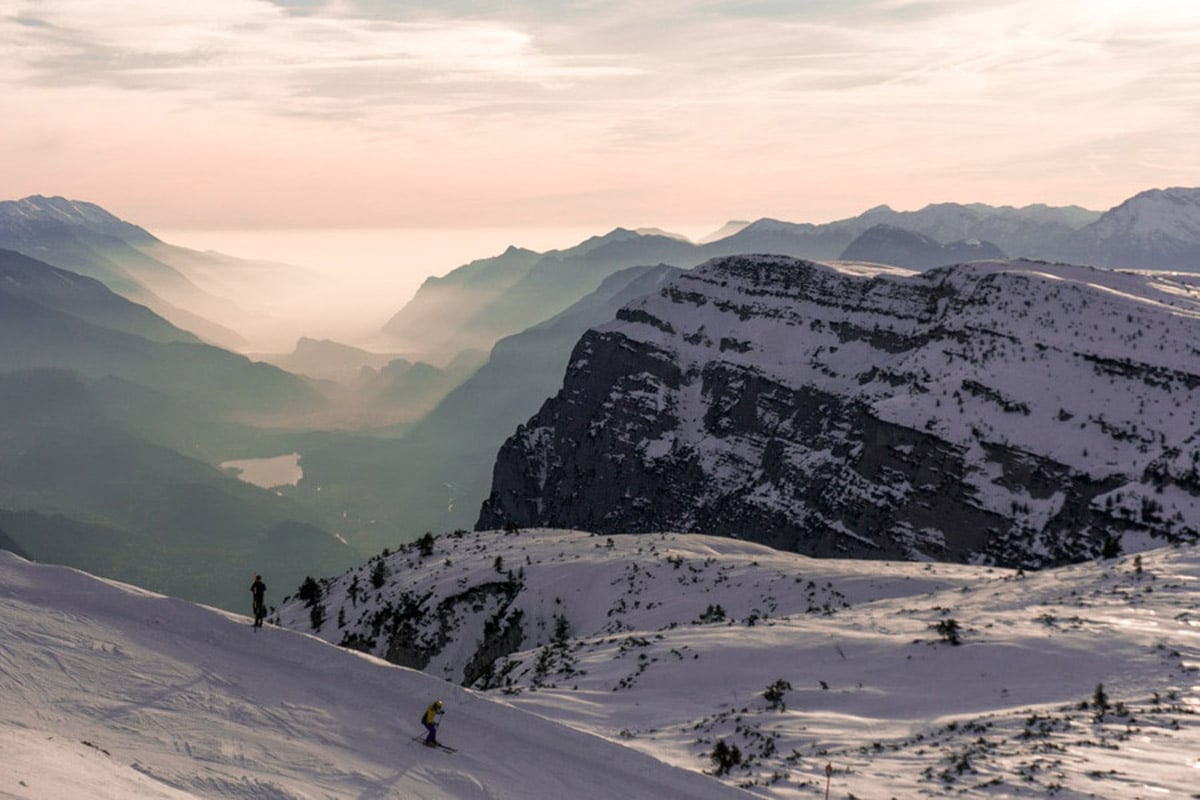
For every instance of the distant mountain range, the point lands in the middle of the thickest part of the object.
(222, 299)
(86, 239)
(53, 318)
(476, 305)
(377, 391)
(479, 303)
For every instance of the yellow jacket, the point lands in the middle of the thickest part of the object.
(431, 713)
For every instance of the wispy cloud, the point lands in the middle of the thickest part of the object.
(773, 100)
(243, 48)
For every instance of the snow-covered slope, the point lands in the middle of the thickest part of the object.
(1014, 412)
(109, 692)
(73, 214)
(674, 643)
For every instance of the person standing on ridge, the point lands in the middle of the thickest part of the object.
(430, 720)
(258, 590)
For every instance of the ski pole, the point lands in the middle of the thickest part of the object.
(828, 778)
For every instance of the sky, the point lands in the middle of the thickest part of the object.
(591, 113)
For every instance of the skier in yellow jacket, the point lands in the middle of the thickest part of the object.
(430, 720)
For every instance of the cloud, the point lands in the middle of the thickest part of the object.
(614, 99)
(242, 49)
(849, 56)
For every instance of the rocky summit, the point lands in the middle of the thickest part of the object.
(1016, 413)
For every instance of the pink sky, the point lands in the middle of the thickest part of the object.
(362, 113)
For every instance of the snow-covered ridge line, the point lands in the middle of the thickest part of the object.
(679, 644)
(1013, 412)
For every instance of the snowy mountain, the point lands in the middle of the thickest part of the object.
(1034, 231)
(899, 247)
(1157, 229)
(110, 692)
(86, 239)
(1016, 413)
(907, 679)
(36, 209)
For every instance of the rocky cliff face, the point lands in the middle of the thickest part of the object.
(1007, 412)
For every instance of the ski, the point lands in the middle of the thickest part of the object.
(438, 745)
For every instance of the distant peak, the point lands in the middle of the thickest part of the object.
(1181, 195)
(75, 212)
(728, 229)
(769, 224)
(615, 235)
(620, 233)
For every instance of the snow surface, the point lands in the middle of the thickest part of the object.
(641, 656)
(108, 691)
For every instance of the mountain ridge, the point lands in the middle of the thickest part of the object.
(503, 292)
(876, 412)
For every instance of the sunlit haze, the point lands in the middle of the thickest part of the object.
(367, 274)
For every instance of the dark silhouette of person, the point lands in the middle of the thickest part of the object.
(258, 590)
